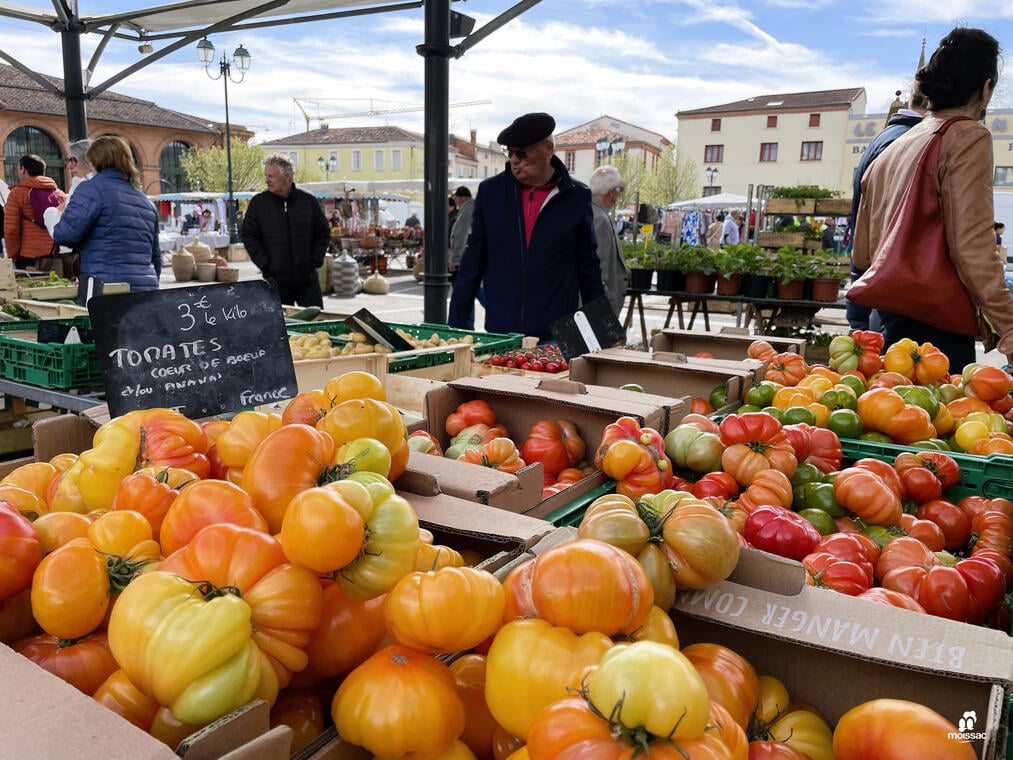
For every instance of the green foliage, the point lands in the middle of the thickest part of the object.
(730, 260)
(672, 258)
(206, 168)
(638, 256)
(829, 265)
(802, 191)
(789, 264)
(699, 258)
(673, 178)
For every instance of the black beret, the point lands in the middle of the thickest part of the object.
(462, 192)
(527, 130)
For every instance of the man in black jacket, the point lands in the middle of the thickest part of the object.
(286, 234)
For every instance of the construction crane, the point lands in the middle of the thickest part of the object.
(372, 111)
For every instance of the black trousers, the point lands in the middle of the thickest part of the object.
(301, 293)
(959, 349)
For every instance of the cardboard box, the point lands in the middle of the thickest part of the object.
(61, 434)
(313, 374)
(45, 717)
(727, 343)
(836, 651)
(663, 374)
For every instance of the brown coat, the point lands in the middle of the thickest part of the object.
(965, 192)
(22, 236)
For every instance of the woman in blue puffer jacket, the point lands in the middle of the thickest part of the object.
(111, 223)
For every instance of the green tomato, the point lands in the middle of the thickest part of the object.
(806, 473)
(795, 414)
(774, 412)
(635, 387)
(919, 395)
(718, 396)
(839, 399)
(881, 535)
(748, 408)
(821, 496)
(823, 521)
(855, 383)
(846, 423)
(761, 394)
(934, 444)
(876, 437)
(948, 392)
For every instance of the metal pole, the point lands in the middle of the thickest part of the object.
(231, 210)
(73, 82)
(436, 51)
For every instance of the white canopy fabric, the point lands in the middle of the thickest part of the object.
(718, 201)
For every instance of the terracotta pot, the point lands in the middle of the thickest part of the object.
(825, 289)
(729, 286)
(699, 283)
(790, 290)
(640, 279)
(671, 281)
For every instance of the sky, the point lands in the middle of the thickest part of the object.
(636, 60)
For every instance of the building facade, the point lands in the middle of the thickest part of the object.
(578, 147)
(782, 140)
(33, 120)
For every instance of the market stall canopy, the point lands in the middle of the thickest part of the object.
(385, 190)
(717, 201)
(197, 197)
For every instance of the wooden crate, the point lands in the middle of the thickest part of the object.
(61, 292)
(833, 206)
(47, 310)
(778, 239)
(804, 206)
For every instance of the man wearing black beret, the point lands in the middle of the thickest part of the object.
(531, 241)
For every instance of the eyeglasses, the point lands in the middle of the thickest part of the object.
(520, 153)
(70, 161)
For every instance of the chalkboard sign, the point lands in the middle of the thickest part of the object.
(591, 328)
(202, 350)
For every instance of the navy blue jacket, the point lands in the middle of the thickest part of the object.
(114, 227)
(528, 288)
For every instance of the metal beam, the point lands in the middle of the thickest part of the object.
(33, 75)
(480, 34)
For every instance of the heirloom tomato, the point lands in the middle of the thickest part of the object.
(864, 493)
(762, 350)
(992, 530)
(859, 351)
(778, 719)
(399, 701)
(284, 600)
(942, 591)
(635, 457)
(891, 598)
(83, 663)
(655, 563)
(649, 686)
(694, 449)
(554, 443)
(585, 585)
(730, 679)
(365, 418)
(698, 540)
(151, 492)
(531, 664)
(34, 477)
(20, 551)
(924, 364)
(499, 454)
(479, 726)
(323, 528)
(363, 454)
(614, 519)
(425, 443)
(951, 520)
(247, 429)
(207, 502)
(755, 441)
(470, 413)
(308, 408)
(786, 369)
(894, 729)
(349, 631)
(769, 487)
(988, 383)
(126, 700)
(716, 484)
(16, 619)
(353, 385)
(303, 711)
(780, 531)
(828, 571)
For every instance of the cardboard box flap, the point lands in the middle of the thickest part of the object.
(672, 357)
(276, 744)
(429, 475)
(229, 733)
(762, 570)
(453, 515)
(828, 620)
(729, 342)
(561, 386)
(44, 716)
(65, 433)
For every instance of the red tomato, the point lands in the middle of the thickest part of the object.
(20, 551)
(715, 484)
(780, 531)
(894, 729)
(950, 518)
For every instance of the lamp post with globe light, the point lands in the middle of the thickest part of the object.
(327, 166)
(606, 148)
(711, 172)
(241, 58)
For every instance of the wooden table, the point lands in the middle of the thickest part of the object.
(762, 311)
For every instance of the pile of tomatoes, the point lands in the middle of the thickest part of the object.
(547, 358)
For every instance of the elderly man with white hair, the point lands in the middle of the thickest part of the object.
(606, 186)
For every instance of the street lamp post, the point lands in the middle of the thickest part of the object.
(711, 172)
(607, 147)
(241, 58)
(327, 166)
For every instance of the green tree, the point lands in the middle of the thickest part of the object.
(207, 168)
(670, 179)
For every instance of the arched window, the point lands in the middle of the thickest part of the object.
(33, 141)
(171, 168)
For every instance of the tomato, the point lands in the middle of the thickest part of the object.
(730, 679)
(891, 598)
(349, 631)
(83, 663)
(479, 726)
(715, 484)
(323, 528)
(762, 350)
(151, 492)
(237, 443)
(940, 590)
(284, 600)
(16, 621)
(762, 393)
(470, 413)
(786, 368)
(446, 610)
(846, 423)
(399, 701)
(364, 418)
(307, 408)
(352, 385)
(867, 495)
(780, 531)
(500, 454)
(655, 562)
(650, 686)
(859, 351)
(658, 628)
(754, 442)
(925, 531)
(923, 363)
(821, 520)
(302, 710)
(694, 449)
(585, 585)
(425, 443)
(951, 520)
(854, 547)
(993, 530)
(769, 487)
(554, 443)
(207, 502)
(635, 457)
(287, 461)
(699, 541)
(819, 496)
(532, 664)
(891, 729)
(828, 571)
(988, 383)
(613, 518)
(20, 551)
(985, 586)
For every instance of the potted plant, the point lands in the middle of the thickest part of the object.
(730, 262)
(699, 265)
(671, 277)
(790, 269)
(756, 279)
(641, 262)
(828, 271)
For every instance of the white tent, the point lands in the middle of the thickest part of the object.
(718, 201)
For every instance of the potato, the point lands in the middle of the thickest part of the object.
(382, 349)
(363, 348)
(358, 337)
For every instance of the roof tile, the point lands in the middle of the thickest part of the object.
(784, 102)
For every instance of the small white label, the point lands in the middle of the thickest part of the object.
(584, 327)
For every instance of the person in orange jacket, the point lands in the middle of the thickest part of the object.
(26, 239)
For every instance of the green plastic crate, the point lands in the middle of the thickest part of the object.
(50, 365)
(572, 513)
(484, 343)
(990, 476)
